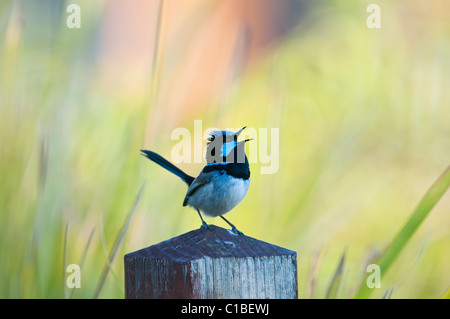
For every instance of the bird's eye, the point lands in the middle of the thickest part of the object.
(212, 138)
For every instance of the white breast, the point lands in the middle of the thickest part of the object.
(220, 196)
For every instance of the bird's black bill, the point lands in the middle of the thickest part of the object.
(239, 132)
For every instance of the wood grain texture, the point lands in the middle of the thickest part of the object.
(213, 263)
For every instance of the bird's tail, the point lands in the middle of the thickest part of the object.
(168, 166)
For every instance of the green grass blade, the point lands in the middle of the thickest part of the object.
(335, 282)
(103, 241)
(427, 203)
(114, 249)
(83, 256)
(65, 260)
(108, 265)
(313, 273)
(388, 293)
(446, 294)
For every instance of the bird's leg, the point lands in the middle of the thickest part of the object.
(233, 228)
(204, 224)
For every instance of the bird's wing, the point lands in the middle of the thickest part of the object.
(201, 180)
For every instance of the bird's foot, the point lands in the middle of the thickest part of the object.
(206, 226)
(236, 231)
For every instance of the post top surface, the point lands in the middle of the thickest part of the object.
(214, 243)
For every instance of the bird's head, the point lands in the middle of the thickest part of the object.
(223, 147)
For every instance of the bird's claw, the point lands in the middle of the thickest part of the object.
(206, 226)
(236, 231)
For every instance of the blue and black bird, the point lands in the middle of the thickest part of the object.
(223, 182)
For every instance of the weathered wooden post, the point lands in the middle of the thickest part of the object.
(213, 263)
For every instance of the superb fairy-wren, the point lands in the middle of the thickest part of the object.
(223, 182)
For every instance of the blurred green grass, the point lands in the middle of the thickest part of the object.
(364, 123)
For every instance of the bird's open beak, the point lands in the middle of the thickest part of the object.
(240, 131)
